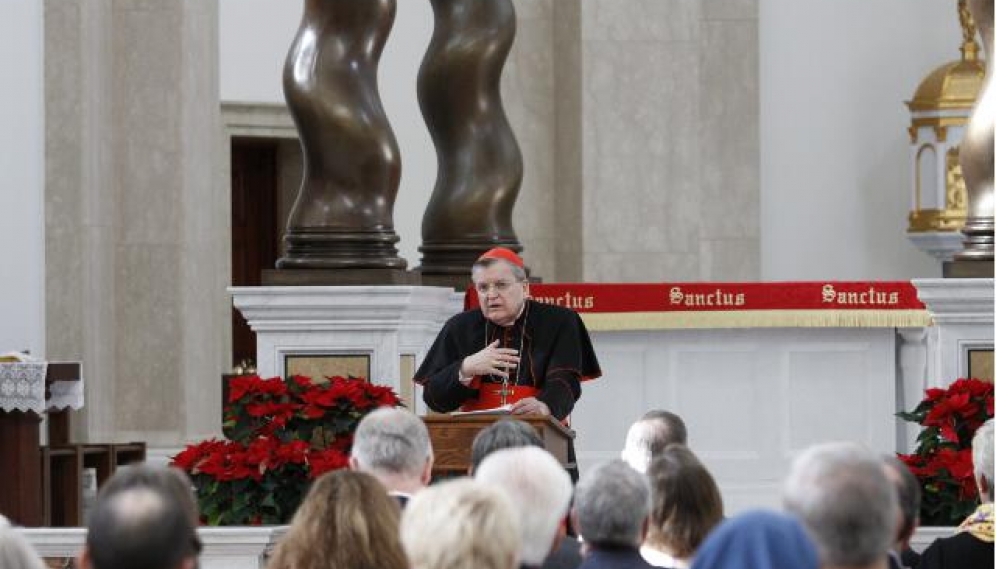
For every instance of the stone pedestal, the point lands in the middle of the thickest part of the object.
(380, 332)
(962, 310)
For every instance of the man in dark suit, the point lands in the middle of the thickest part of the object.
(611, 512)
(392, 445)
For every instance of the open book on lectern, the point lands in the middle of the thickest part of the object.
(503, 410)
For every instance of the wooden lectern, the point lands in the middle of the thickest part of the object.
(453, 435)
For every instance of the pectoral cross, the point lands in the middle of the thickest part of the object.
(505, 392)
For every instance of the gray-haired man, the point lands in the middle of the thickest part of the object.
(392, 444)
(611, 512)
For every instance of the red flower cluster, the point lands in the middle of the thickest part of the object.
(943, 457)
(281, 434)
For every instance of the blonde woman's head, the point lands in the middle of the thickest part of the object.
(460, 524)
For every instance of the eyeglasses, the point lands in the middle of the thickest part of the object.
(500, 287)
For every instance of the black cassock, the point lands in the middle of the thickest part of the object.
(553, 344)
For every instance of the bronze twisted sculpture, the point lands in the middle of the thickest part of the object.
(479, 161)
(343, 215)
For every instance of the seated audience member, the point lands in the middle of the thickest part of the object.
(172, 481)
(685, 506)
(15, 551)
(460, 524)
(503, 433)
(611, 510)
(512, 433)
(972, 546)
(908, 491)
(844, 500)
(393, 445)
(647, 437)
(539, 490)
(757, 540)
(346, 521)
(139, 527)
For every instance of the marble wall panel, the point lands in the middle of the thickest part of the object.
(568, 219)
(63, 198)
(729, 132)
(528, 98)
(640, 267)
(669, 120)
(653, 215)
(98, 346)
(729, 10)
(640, 20)
(737, 259)
(149, 321)
(147, 108)
(205, 233)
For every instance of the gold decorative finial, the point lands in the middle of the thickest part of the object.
(969, 47)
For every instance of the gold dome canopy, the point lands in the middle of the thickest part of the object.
(954, 85)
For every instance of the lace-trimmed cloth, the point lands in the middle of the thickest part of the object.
(22, 388)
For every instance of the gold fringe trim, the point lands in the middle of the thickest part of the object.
(614, 321)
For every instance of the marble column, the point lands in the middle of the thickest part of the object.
(136, 215)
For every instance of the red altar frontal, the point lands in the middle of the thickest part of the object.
(656, 306)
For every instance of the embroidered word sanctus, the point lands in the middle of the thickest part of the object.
(868, 297)
(716, 298)
(568, 300)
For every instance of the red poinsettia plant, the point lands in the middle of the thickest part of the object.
(280, 435)
(942, 460)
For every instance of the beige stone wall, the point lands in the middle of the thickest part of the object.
(669, 121)
(137, 214)
(638, 123)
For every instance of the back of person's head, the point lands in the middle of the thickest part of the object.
(908, 493)
(611, 505)
(504, 433)
(15, 551)
(842, 496)
(982, 460)
(539, 490)
(648, 437)
(139, 527)
(686, 503)
(460, 524)
(392, 441)
(757, 540)
(172, 481)
(347, 519)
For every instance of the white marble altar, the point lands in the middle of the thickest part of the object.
(751, 397)
(386, 323)
(962, 310)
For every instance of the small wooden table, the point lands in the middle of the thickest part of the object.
(20, 462)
